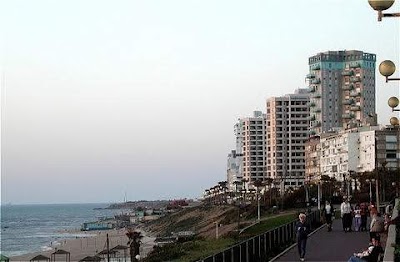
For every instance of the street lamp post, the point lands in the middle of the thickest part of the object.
(319, 195)
(387, 67)
(381, 5)
(306, 183)
(370, 181)
(377, 194)
(397, 188)
(216, 230)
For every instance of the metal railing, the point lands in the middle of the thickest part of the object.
(391, 239)
(264, 246)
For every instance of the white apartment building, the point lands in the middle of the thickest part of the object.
(287, 131)
(359, 150)
(339, 154)
(248, 162)
(234, 171)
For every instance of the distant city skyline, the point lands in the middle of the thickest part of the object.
(104, 99)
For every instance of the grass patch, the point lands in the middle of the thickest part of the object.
(206, 248)
(268, 224)
(201, 248)
(188, 251)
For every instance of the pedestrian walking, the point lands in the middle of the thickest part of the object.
(357, 217)
(302, 230)
(345, 213)
(328, 210)
(364, 215)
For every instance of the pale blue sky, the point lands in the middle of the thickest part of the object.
(100, 98)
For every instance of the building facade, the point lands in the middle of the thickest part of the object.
(234, 171)
(286, 133)
(342, 82)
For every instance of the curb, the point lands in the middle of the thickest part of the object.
(293, 245)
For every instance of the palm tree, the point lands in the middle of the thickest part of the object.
(223, 187)
(268, 182)
(134, 243)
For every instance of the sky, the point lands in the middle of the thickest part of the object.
(106, 99)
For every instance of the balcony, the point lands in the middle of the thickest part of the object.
(312, 104)
(354, 64)
(355, 108)
(347, 73)
(316, 96)
(312, 132)
(312, 118)
(312, 89)
(315, 81)
(347, 116)
(310, 76)
(355, 94)
(348, 102)
(317, 110)
(316, 67)
(316, 124)
(355, 79)
(348, 87)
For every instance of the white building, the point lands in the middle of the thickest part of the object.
(287, 131)
(234, 171)
(248, 160)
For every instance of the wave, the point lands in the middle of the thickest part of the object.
(46, 248)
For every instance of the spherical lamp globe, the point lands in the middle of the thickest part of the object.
(393, 102)
(380, 5)
(394, 121)
(387, 68)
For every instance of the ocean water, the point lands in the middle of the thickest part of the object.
(33, 228)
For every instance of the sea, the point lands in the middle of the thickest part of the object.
(34, 228)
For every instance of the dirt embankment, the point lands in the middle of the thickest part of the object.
(201, 220)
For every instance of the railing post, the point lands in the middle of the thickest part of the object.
(247, 250)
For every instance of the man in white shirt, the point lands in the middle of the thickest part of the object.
(345, 212)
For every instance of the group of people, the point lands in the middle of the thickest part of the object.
(377, 226)
(359, 212)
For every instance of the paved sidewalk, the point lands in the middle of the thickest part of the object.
(330, 246)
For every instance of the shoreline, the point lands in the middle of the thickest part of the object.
(90, 245)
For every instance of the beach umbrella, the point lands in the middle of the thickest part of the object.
(61, 252)
(121, 247)
(92, 259)
(40, 258)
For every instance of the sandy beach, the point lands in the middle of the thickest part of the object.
(91, 243)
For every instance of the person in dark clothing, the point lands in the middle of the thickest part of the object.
(364, 214)
(371, 254)
(302, 230)
(328, 212)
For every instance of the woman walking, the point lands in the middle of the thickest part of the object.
(328, 215)
(302, 230)
(357, 217)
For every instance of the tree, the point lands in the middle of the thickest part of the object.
(134, 243)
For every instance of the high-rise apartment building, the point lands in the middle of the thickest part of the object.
(287, 131)
(250, 141)
(342, 90)
(234, 171)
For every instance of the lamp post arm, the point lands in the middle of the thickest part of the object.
(392, 79)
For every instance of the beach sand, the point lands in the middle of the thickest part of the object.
(90, 245)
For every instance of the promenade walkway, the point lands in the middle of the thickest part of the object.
(330, 246)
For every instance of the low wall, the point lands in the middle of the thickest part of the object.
(391, 239)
